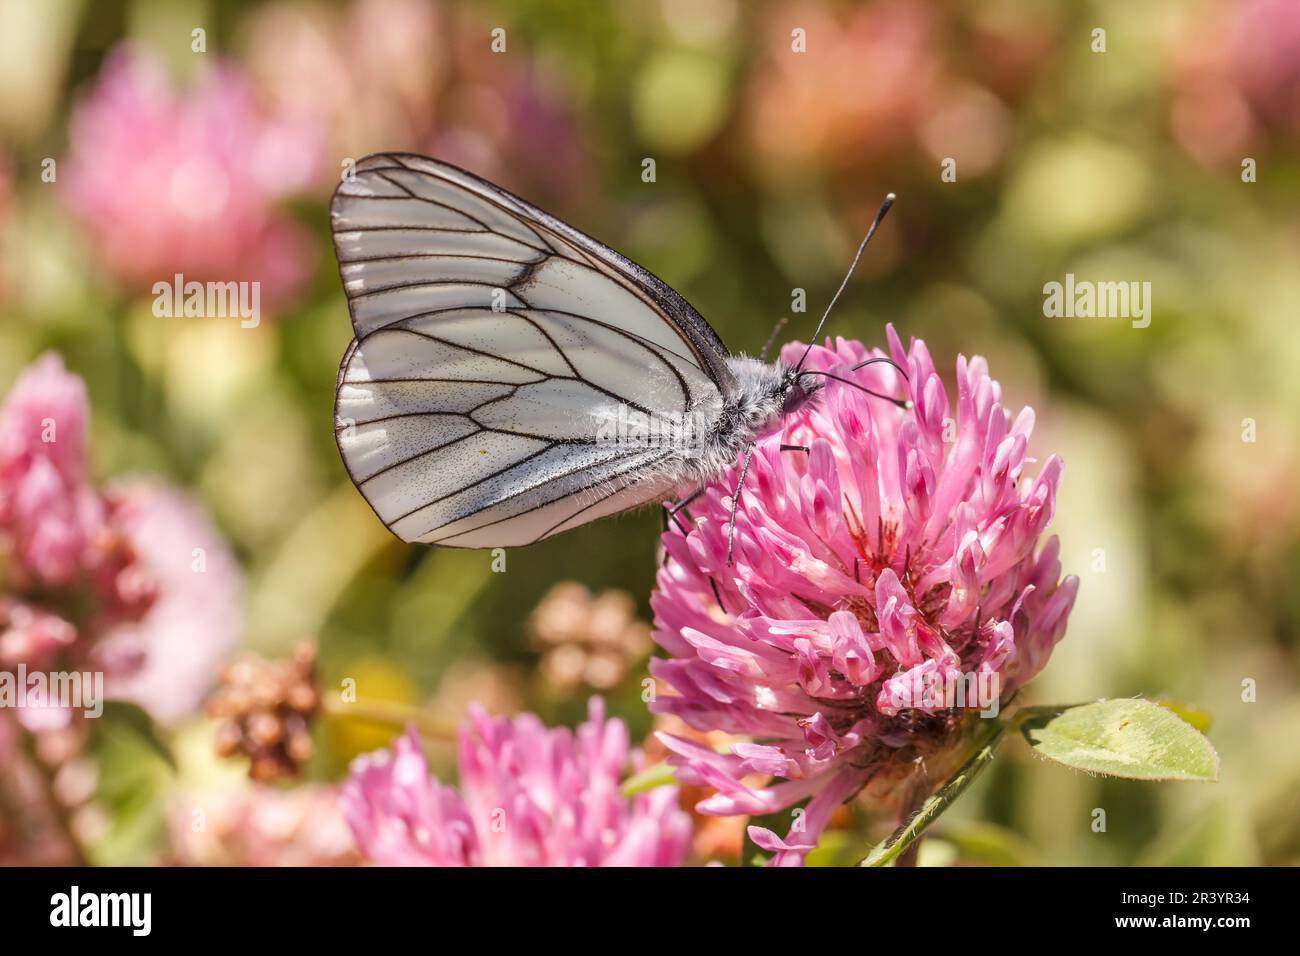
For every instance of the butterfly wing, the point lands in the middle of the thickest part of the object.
(493, 344)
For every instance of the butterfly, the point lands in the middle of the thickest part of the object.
(511, 378)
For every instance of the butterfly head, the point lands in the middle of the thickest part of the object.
(767, 393)
(797, 387)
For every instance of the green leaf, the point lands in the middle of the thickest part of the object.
(134, 778)
(892, 847)
(1130, 738)
(138, 721)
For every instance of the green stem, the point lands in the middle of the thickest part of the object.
(658, 775)
(911, 829)
(917, 793)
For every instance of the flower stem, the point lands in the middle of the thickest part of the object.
(911, 829)
(658, 775)
(917, 792)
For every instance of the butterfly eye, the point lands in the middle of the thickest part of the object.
(795, 396)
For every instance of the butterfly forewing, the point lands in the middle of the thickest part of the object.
(492, 344)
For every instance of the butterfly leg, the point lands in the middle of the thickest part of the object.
(717, 596)
(684, 504)
(735, 499)
(670, 514)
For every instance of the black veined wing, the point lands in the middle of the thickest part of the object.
(492, 341)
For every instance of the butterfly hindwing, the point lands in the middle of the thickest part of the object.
(492, 344)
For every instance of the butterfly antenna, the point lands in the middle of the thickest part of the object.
(876, 361)
(776, 330)
(900, 402)
(875, 224)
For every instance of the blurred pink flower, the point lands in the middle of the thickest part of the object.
(132, 582)
(168, 659)
(261, 826)
(46, 503)
(1266, 36)
(168, 183)
(528, 796)
(898, 555)
(367, 74)
(31, 635)
(806, 105)
(409, 74)
(1236, 76)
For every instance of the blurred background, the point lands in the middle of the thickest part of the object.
(133, 147)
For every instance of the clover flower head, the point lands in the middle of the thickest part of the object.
(529, 796)
(887, 584)
(168, 182)
(131, 580)
(46, 502)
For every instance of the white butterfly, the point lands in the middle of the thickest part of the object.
(505, 364)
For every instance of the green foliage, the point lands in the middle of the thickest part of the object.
(1130, 738)
(911, 829)
(135, 771)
